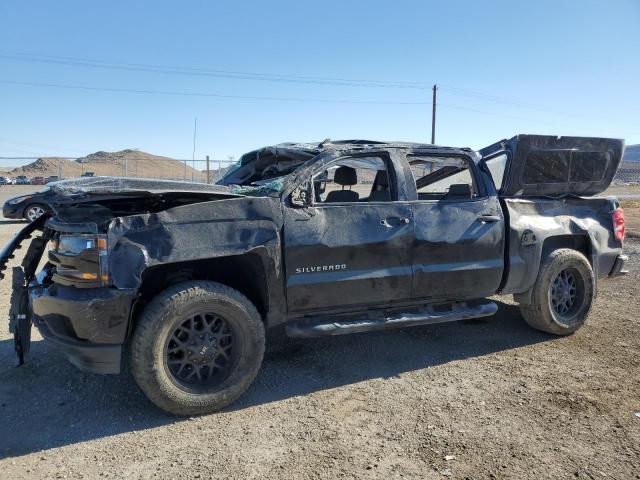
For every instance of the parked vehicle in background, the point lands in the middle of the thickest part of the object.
(37, 181)
(328, 239)
(30, 207)
(11, 181)
(87, 174)
(22, 180)
(4, 181)
(51, 178)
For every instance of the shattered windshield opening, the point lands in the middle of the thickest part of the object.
(264, 171)
(262, 188)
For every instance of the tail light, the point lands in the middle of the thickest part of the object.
(618, 223)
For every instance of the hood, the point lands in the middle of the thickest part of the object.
(125, 186)
(99, 199)
(27, 196)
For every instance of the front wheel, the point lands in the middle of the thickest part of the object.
(562, 294)
(35, 211)
(197, 347)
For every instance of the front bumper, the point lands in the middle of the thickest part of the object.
(88, 325)
(618, 266)
(87, 357)
(12, 211)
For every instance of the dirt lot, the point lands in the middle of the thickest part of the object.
(478, 399)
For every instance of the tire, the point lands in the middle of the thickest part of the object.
(551, 309)
(33, 211)
(162, 347)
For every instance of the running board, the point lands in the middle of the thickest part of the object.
(342, 325)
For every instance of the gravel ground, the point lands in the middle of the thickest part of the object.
(487, 398)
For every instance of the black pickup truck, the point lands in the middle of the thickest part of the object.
(313, 239)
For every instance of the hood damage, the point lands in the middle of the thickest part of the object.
(100, 199)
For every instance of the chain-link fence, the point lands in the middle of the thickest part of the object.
(39, 170)
(628, 174)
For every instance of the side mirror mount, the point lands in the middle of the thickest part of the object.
(300, 197)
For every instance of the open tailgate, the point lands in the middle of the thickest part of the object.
(552, 165)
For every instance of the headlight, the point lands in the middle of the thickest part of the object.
(17, 200)
(80, 260)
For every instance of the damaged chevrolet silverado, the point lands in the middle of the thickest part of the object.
(312, 239)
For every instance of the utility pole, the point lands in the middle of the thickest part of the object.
(433, 116)
(208, 172)
(193, 156)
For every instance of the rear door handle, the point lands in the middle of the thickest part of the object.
(489, 218)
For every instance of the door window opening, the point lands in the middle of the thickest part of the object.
(442, 178)
(353, 180)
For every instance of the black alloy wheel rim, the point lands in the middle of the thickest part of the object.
(566, 292)
(200, 353)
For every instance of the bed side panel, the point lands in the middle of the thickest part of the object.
(534, 221)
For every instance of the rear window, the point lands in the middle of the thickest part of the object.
(564, 166)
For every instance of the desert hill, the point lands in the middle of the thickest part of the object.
(131, 162)
(632, 153)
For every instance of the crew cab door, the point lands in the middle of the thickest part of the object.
(551, 166)
(458, 251)
(349, 247)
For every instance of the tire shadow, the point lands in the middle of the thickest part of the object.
(48, 403)
(302, 366)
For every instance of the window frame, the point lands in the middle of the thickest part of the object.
(471, 165)
(391, 173)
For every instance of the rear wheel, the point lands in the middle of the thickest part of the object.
(562, 294)
(197, 347)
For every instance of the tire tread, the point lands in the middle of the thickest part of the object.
(172, 300)
(537, 314)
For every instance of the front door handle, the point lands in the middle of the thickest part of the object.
(488, 218)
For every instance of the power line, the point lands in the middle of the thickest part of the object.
(251, 97)
(190, 71)
(201, 94)
(502, 100)
(271, 77)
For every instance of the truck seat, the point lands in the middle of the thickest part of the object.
(345, 176)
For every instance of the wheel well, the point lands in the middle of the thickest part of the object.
(580, 243)
(244, 273)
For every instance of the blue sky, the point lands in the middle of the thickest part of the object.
(505, 67)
